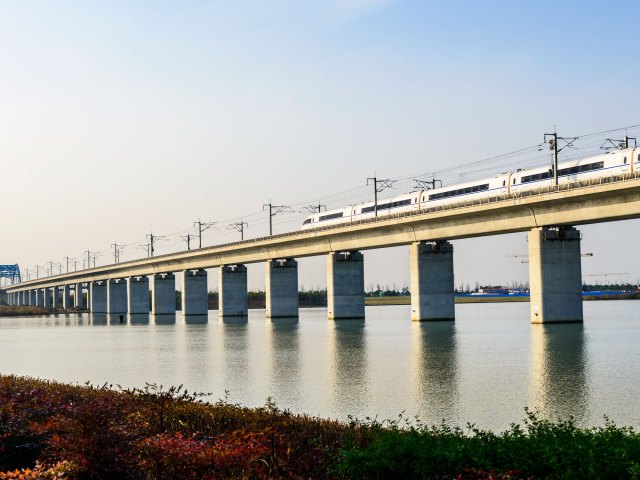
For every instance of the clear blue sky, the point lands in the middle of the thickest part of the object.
(122, 118)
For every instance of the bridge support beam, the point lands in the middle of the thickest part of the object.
(32, 297)
(281, 288)
(66, 297)
(194, 292)
(345, 285)
(98, 296)
(431, 269)
(40, 297)
(555, 275)
(79, 302)
(232, 284)
(138, 295)
(163, 294)
(117, 296)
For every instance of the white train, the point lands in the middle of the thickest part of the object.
(606, 165)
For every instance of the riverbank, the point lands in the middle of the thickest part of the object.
(53, 430)
(588, 296)
(14, 311)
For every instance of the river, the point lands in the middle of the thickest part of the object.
(482, 369)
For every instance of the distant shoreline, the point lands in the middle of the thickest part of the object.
(15, 311)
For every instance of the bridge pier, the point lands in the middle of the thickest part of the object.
(555, 275)
(163, 294)
(66, 297)
(232, 284)
(117, 295)
(32, 298)
(55, 297)
(46, 297)
(98, 296)
(39, 297)
(431, 272)
(138, 295)
(79, 299)
(194, 292)
(345, 285)
(281, 288)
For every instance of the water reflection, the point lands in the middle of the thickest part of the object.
(558, 370)
(436, 370)
(236, 372)
(349, 375)
(164, 319)
(284, 352)
(139, 318)
(98, 319)
(195, 319)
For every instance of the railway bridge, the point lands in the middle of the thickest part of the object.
(550, 215)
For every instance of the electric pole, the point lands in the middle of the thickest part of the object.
(315, 208)
(427, 184)
(187, 239)
(152, 239)
(239, 226)
(67, 260)
(273, 211)
(202, 226)
(116, 252)
(553, 146)
(377, 189)
(88, 258)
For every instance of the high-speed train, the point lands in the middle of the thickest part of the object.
(609, 164)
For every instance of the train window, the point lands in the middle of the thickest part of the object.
(504, 182)
(625, 160)
(514, 181)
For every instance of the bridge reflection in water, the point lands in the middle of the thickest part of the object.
(558, 371)
(435, 371)
(285, 371)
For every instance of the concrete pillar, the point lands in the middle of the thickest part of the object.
(21, 298)
(163, 293)
(79, 299)
(46, 297)
(431, 270)
(66, 297)
(117, 295)
(4, 297)
(138, 295)
(281, 288)
(232, 284)
(555, 275)
(55, 297)
(33, 294)
(39, 297)
(345, 285)
(194, 292)
(98, 296)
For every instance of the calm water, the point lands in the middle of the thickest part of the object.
(484, 368)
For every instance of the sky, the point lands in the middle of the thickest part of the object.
(119, 119)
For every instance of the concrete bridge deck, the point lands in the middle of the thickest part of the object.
(599, 201)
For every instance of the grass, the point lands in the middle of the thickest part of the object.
(52, 430)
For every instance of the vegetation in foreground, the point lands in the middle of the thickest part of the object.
(51, 430)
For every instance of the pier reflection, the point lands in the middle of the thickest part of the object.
(139, 318)
(436, 370)
(559, 371)
(284, 352)
(349, 372)
(235, 362)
